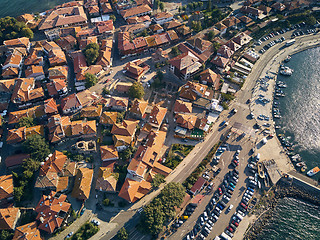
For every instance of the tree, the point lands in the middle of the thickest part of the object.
(210, 35)
(179, 9)
(136, 90)
(120, 116)
(37, 147)
(91, 80)
(106, 202)
(126, 154)
(122, 234)
(11, 28)
(113, 17)
(105, 91)
(184, 8)
(175, 51)
(209, 6)
(18, 193)
(6, 235)
(27, 32)
(200, 4)
(215, 46)
(161, 6)
(157, 180)
(160, 75)
(311, 20)
(26, 122)
(144, 33)
(153, 218)
(91, 52)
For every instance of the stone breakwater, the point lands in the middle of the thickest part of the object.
(267, 204)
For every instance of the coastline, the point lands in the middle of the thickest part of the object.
(284, 163)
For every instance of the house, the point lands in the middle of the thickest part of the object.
(265, 9)
(15, 116)
(191, 91)
(35, 71)
(118, 103)
(173, 36)
(104, 58)
(125, 45)
(225, 51)
(133, 28)
(108, 118)
(187, 121)
(278, 6)
(22, 42)
(57, 87)
(251, 11)
(221, 27)
(156, 116)
(50, 106)
(67, 43)
(8, 218)
(162, 17)
(198, 186)
(52, 210)
(146, 20)
(21, 134)
(57, 126)
(104, 28)
(70, 104)
(82, 185)
(133, 190)
(123, 133)
(199, 44)
(245, 19)
(86, 41)
(14, 60)
(136, 11)
(35, 57)
(136, 69)
(57, 57)
(156, 28)
(231, 22)
(106, 181)
(6, 190)
(25, 91)
(185, 65)
(108, 153)
(138, 108)
(173, 24)
(91, 112)
(210, 77)
(233, 46)
(7, 86)
(184, 31)
(16, 160)
(182, 107)
(160, 56)
(10, 72)
(106, 8)
(92, 69)
(48, 46)
(79, 61)
(64, 17)
(220, 61)
(28, 231)
(242, 39)
(58, 72)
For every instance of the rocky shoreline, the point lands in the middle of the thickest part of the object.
(267, 205)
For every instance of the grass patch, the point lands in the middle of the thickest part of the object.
(176, 154)
(190, 181)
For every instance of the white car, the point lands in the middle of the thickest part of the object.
(230, 207)
(69, 235)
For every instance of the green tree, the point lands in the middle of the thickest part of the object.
(175, 51)
(136, 90)
(91, 53)
(27, 32)
(184, 8)
(18, 193)
(106, 202)
(159, 75)
(26, 122)
(113, 17)
(179, 9)
(311, 20)
(126, 154)
(161, 6)
(122, 234)
(144, 33)
(5, 235)
(37, 147)
(105, 91)
(209, 6)
(11, 28)
(210, 35)
(120, 116)
(215, 46)
(157, 180)
(153, 218)
(91, 80)
(200, 4)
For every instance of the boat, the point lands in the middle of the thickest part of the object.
(261, 170)
(287, 59)
(277, 116)
(303, 169)
(286, 71)
(313, 171)
(300, 164)
(278, 127)
(259, 184)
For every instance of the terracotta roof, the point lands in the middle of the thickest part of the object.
(104, 58)
(50, 106)
(54, 163)
(16, 159)
(135, 11)
(186, 120)
(231, 21)
(63, 16)
(35, 130)
(155, 27)
(253, 11)
(79, 60)
(199, 43)
(225, 51)
(55, 86)
(184, 30)
(34, 57)
(172, 35)
(192, 90)
(69, 102)
(57, 57)
(245, 19)
(16, 135)
(85, 42)
(10, 72)
(67, 42)
(233, 46)
(139, 42)
(108, 153)
(82, 185)
(17, 42)
(86, 97)
(220, 61)
(210, 77)
(141, 19)
(28, 231)
(91, 111)
(34, 71)
(172, 24)
(182, 107)
(104, 26)
(157, 115)
(242, 39)
(184, 61)
(132, 190)
(106, 8)
(92, 69)
(48, 46)
(8, 218)
(118, 102)
(161, 169)
(132, 28)
(14, 58)
(52, 210)
(15, 116)
(125, 128)
(220, 26)
(108, 117)
(7, 85)
(106, 180)
(58, 72)
(6, 183)
(139, 107)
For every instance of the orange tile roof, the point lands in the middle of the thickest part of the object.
(54, 163)
(109, 118)
(210, 77)
(17, 42)
(91, 111)
(157, 115)
(144, 9)
(182, 107)
(134, 190)
(16, 135)
(90, 127)
(126, 128)
(52, 209)
(35, 130)
(186, 120)
(58, 72)
(24, 90)
(139, 107)
(57, 57)
(106, 180)
(191, 90)
(15, 116)
(34, 71)
(118, 102)
(48, 46)
(10, 72)
(8, 218)
(34, 57)
(108, 153)
(14, 58)
(28, 231)
(84, 42)
(6, 189)
(82, 185)
(50, 106)
(93, 69)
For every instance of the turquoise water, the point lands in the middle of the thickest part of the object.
(293, 219)
(300, 109)
(17, 7)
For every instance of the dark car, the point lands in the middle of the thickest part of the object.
(236, 171)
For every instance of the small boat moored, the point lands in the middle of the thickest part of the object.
(313, 171)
